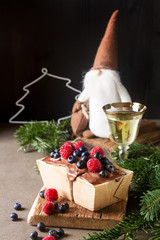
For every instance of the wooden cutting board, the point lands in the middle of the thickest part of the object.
(79, 217)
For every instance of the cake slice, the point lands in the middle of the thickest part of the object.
(94, 188)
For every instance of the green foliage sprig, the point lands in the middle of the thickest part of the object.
(144, 160)
(43, 137)
(127, 228)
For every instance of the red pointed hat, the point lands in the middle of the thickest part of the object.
(107, 53)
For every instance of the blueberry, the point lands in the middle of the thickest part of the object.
(41, 226)
(86, 153)
(57, 150)
(41, 193)
(56, 155)
(62, 208)
(110, 168)
(82, 149)
(84, 158)
(55, 204)
(71, 159)
(105, 161)
(81, 164)
(103, 174)
(14, 216)
(52, 233)
(98, 155)
(52, 154)
(34, 235)
(76, 153)
(60, 231)
(72, 146)
(17, 206)
(66, 205)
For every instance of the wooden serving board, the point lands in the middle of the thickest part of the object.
(77, 216)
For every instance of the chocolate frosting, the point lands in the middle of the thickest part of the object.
(92, 177)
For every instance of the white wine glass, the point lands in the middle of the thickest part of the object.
(124, 121)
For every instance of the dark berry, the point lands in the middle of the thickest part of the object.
(66, 205)
(56, 155)
(76, 153)
(41, 226)
(52, 233)
(104, 161)
(110, 168)
(52, 154)
(84, 158)
(17, 206)
(72, 146)
(14, 216)
(103, 174)
(71, 159)
(81, 164)
(34, 235)
(55, 204)
(41, 193)
(98, 155)
(60, 231)
(57, 150)
(62, 208)
(82, 149)
(86, 153)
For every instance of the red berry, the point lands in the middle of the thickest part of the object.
(51, 194)
(78, 144)
(49, 238)
(66, 151)
(68, 143)
(94, 165)
(96, 149)
(48, 208)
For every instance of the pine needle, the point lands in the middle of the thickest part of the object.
(43, 137)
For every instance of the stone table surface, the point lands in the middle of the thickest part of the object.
(19, 182)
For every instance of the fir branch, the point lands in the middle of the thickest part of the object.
(128, 227)
(36, 169)
(136, 150)
(150, 205)
(43, 137)
(155, 231)
(145, 167)
(154, 178)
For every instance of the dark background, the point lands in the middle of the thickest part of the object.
(63, 36)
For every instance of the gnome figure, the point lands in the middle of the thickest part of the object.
(101, 86)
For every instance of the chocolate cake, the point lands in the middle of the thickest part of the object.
(91, 189)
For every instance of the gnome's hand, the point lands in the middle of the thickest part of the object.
(76, 106)
(79, 118)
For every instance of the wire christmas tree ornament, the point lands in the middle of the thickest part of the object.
(27, 91)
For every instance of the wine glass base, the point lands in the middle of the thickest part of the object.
(123, 152)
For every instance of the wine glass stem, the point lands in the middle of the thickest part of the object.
(123, 152)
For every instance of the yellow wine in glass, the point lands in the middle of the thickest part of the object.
(124, 120)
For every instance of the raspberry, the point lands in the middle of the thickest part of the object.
(78, 144)
(66, 151)
(95, 150)
(94, 165)
(48, 208)
(51, 194)
(69, 143)
(49, 238)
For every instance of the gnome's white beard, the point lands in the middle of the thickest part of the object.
(102, 87)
